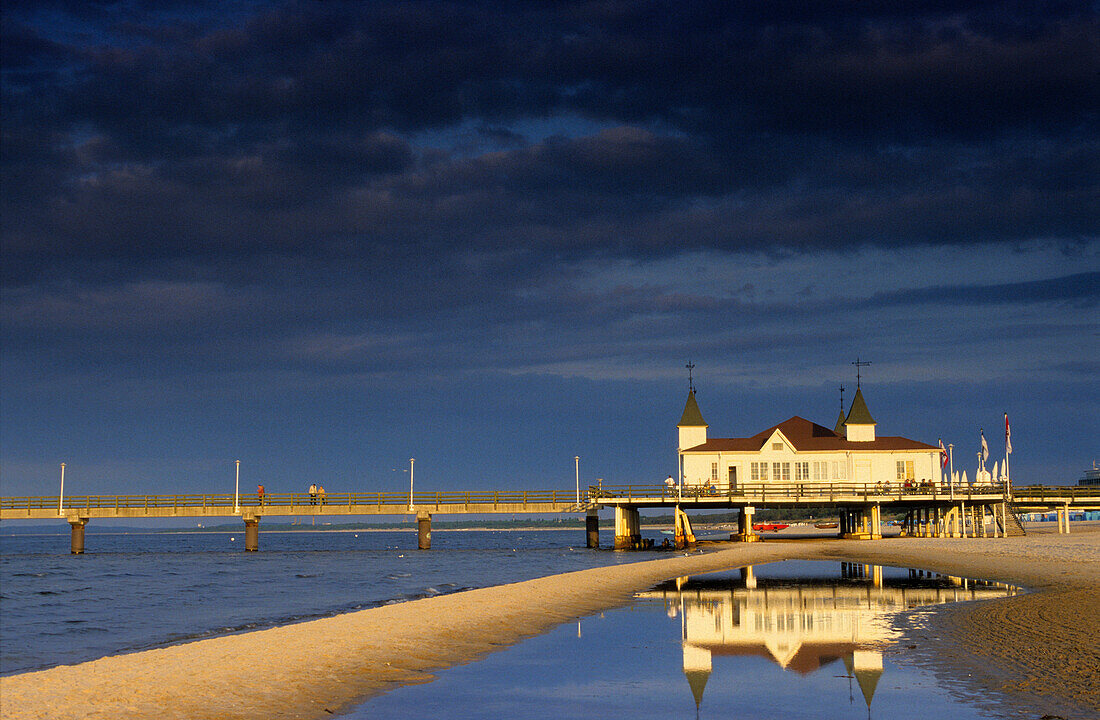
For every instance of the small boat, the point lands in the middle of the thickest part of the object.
(769, 527)
(826, 526)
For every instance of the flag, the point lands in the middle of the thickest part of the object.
(1008, 437)
(985, 447)
(943, 455)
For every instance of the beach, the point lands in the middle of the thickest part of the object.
(1034, 648)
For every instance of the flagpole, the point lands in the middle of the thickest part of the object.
(1008, 451)
(950, 479)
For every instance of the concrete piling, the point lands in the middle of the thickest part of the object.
(424, 531)
(683, 534)
(251, 534)
(76, 543)
(628, 527)
(745, 532)
(592, 529)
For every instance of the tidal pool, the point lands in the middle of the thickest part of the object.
(789, 640)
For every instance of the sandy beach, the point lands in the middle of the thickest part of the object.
(1039, 648)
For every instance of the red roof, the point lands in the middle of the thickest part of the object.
(807, 436)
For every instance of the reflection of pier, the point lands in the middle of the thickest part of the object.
(803, 625)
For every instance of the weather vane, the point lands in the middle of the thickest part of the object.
(858, 365)
(691, 382)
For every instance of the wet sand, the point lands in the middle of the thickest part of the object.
(1041, 644)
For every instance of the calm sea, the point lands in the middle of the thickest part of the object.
(134, 591)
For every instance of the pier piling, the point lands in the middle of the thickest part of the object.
(251, 534)
(628, 527)
(76, 544)
(744, 526)
(424, 531)
(592, 529)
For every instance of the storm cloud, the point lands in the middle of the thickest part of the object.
(439, 193)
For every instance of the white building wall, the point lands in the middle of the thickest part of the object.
(840, 466)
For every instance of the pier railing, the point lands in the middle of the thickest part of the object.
(805, 492)
(1043, 493)
(396, 500)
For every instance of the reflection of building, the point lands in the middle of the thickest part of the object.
(799, 451)
(803, 625)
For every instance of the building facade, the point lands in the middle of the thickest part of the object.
(799, 451)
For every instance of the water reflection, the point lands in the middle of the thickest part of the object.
(804, 624)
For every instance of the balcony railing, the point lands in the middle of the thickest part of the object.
(805, 491)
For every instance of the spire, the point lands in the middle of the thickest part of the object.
(859, 414)
(697, 680)
(859, 426)
(692, 417)
(692, 426)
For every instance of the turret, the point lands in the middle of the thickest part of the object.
(697, 670)
(867, 667)
(692, 427)
(859, 425)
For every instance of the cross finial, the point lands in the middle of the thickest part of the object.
(858, 365)
(691, 381)
(841, 398)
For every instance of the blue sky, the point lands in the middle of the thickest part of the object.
(325, 238)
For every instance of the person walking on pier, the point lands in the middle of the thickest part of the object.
(313, 493)
(260, 493)
(321, 493)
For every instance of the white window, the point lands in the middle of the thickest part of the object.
(714, 472)
(759, 471)
(777, 446)
(905, 470)
(781, 472)
(801, 471)
(840, 470)
(821, 470)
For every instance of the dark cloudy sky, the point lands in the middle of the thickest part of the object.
(323, 238)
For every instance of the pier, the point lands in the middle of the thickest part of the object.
(927, 510)
(78, 510)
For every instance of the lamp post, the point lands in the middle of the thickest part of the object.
(411, 461)
(577, 464)
(237, 490)
(61, 499)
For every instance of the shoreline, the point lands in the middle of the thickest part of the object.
(1038, 649)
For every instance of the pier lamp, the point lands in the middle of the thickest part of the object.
(61, 498)
(577, 463)
(237, 490)
(411, 461)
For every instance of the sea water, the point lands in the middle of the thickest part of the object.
(135, 591)
(792, 640)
